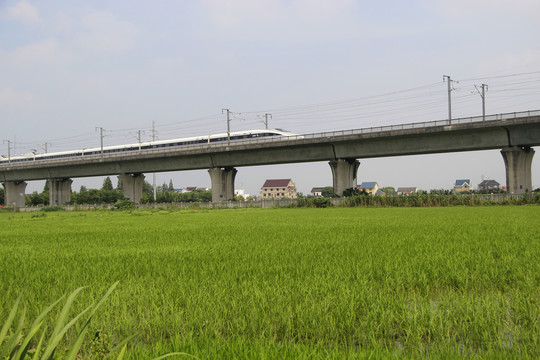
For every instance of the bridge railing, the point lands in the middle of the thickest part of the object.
(289, 139)
(420, 125)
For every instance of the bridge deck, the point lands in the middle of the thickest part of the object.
(464, 134)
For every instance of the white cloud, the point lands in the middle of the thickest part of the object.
(12, 99)
(283, 19)
(95, 82)
(106, 34)
(467, 8)
(523, 61)
(62, 22)
(46, 52)
(235, 12)
(321, 10)
(23, 11)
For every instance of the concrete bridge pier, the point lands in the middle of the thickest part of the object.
(222, 183)
(344, 174)
(14, 193)
(59, 191)
(132, 186)
(518, 161)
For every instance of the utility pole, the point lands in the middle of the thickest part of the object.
(483, 95)
(101, 136)
(228, 125)
(139, 138)
(449, 80)
(9, 150)
(154, 175)
(266, 120)
(44, 146)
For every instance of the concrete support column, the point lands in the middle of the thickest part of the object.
(344, 174)
(59, 191)
(222, 183)
(14, 192)
(132, 186)
(518, 162)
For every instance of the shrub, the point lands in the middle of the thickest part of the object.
(124, 205)
(52, 208)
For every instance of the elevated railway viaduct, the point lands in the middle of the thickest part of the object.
(513, 133)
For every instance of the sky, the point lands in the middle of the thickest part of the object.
(70, 67)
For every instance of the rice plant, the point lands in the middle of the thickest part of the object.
(287, 283)
(37, 341)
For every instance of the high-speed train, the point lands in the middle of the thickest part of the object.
(199, 140)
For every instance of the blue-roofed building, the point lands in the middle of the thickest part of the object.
(462, 185)
(370, 187)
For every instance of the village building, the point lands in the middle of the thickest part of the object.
(371, 187)
(489, 185)
(278, 189)
(317, 191)
(406, 190)
(462, 185)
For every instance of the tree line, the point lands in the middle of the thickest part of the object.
(110, 195)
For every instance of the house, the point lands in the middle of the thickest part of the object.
(489, 185)
(278, 189)
(317, 191)
(242, 193)
(462, 185)
(406, 190)
(370, 187)
(193, 188)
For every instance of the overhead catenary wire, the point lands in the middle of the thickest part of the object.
(420, 103)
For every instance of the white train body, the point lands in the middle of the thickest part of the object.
(198, 140)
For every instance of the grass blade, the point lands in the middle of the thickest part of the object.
(65, 310)
(120, 345)
(175, 354)
(39, 345)
(80, 337)
(10, 346)
(9, 320)
(54, 341)
(121, 355)
(23, 349)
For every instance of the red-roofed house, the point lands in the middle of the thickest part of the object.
(278, 189)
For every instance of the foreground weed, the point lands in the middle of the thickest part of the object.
(16, 345)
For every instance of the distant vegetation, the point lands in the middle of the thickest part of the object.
(420, 199)
(108, 195)
(167, 194)
(454, 282)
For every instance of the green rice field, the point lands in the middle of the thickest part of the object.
(453, 282)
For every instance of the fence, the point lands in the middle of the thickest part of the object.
(397, 200)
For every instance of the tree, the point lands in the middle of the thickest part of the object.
(353, 191)
(171, 186)
(163, 188)
(37, 199)
(328, 191)
(1, 196)
(440, 192)
(107, 184)
(389, 190)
